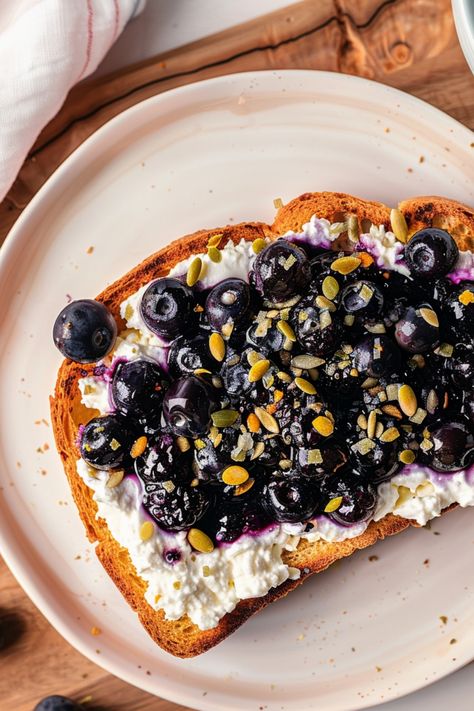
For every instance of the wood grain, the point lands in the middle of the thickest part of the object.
(409, 44)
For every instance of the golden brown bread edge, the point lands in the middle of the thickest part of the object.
(182, 638)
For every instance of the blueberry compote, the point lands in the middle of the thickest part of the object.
(291, 396)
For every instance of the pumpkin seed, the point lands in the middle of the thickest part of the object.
(115, 478)
(285, 328)
(215, 240)
(399, 225)
(224, 418)
(138, 447)
(243, 488)
(200, 541)
(258, 370)
(404, 495)
(371, 424)
(407, 400)
(234, 475)
(353, 228)
(253, 423)
(330, 287)
(214, 254)
(445, 350)
(430, 316)
(390, 435)
(323, 303)
(307, 362)
(345, 265)
(267, 420)
(258, 244)
(278, 203)
(258, 450)
(407, 456)
(183, 444)
(194, 271)
(305, 386)
(323, 425)
(362, 422)
(146, 530)
(333, 504)
(217, 346)
(284, 377)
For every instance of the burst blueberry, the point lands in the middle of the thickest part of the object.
(281, 271)
(137, 387)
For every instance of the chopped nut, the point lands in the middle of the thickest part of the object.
(399, 225)
(323, 303)
(362, 422)
(315, 456)
(253, 423)
(115, 478)
(390, 435)
(466, 297)
(371, 424)
(430, 316)
(419, 416)
(258, 450)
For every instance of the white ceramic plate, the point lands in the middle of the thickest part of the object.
(204, 155)
(463, 11)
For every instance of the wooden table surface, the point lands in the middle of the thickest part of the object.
(409, 44)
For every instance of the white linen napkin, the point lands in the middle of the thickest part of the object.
(47, 46)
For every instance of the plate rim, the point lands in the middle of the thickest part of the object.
(45, 605)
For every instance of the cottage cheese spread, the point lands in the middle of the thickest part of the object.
(206, 586)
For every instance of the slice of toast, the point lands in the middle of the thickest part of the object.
(182, 637)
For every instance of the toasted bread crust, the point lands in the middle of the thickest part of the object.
(182, 638)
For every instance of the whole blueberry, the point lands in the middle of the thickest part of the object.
(187, 406)
(459, 311)
(318, 331)
(167, 307)
(290, 499)
(235, 520)
(281, 271)
(162, 460)
(417, 330)
(137, 387)
(461, 366)
(176, 508)
(376, 355)
(431, 253)
(228, 304)
(362, 298)
(452, 445)
(58, 703)
(106, 441)
(85, 331)
(358, 498)
(188, 354)
(265, 341)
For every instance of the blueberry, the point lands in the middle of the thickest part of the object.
(459, 310)
(417, 330)
(234, 373)
(461, 366)
(362, 298)
(106, 441)
(137, 388)
(85, 331)
(228, 304)
(167, 307)
(431, 253)
(378, 463)
(359, 498)
(211, 460)
(176, 508)
(376, 355)
(452, 445)
(236, 520)
(318, 331)
(266, 342)
(187, 355)
(281, 271)
(58, 703)
(331, 457)
(187, 406)
(162, 460)
(290, 499)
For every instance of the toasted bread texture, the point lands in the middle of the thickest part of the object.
(182, 638)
